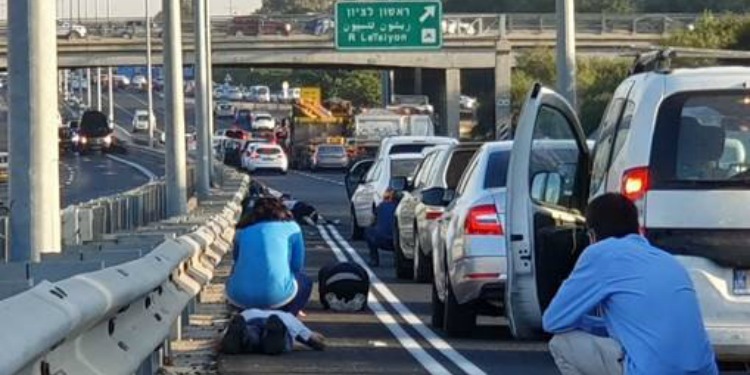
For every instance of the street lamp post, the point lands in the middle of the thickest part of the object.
(566, 50)
(149, 77)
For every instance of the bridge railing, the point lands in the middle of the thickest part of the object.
(454, 25)
(112, 320)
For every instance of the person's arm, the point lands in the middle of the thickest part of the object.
(297, 261)
(578, 296)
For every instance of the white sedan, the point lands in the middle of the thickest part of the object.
(263, 121)
(370, 191)
(265, 157)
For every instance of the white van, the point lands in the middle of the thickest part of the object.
(673, 141)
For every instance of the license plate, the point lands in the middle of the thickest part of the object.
(267, 159)
(740, 284)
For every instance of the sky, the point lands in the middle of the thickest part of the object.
(136, 8)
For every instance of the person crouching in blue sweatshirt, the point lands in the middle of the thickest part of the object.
(269, 261)
(627, 307)
(380, 234)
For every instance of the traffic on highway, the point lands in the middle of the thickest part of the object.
(479, 252)
(375, 187)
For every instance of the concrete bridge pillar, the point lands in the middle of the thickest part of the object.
(407, 81)
(452, 102)
(503, 116)
(434, 88)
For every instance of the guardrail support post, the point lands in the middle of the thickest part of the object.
(203, 89)
(175, 110)
(33, 145)
(566, 51)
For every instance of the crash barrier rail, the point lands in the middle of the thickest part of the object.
(454, 24)
(115, 320)
(92, 220)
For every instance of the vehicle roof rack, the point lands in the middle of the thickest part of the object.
(653, 61)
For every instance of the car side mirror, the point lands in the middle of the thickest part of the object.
(399, 183)
(547, 187)
(433, 196)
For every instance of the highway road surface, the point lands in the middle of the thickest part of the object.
(395, 337)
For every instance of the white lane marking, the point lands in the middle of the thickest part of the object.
(319, 178)
(151, 176)
(408, 342)
(71, 174)
(436, 341)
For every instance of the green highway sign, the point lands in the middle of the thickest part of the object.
(389, 25)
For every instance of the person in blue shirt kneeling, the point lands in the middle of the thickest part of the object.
(269, 260)
(380, 234)
(627, 307)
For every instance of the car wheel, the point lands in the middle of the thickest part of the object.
(421, 263)
(357, 232)
(283, 171)
(438, 309)
(460, 319)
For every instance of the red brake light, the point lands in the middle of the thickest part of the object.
(635, 183)
(483, 220)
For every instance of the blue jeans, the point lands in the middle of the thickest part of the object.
(304, 290)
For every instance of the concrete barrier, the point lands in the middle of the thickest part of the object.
(112, 320)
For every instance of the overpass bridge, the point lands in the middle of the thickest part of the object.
(471, 41)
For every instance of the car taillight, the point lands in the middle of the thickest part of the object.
(433, 215)
(483, 220)
(635, 183)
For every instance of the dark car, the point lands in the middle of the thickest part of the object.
(93, 133)
(254, 25)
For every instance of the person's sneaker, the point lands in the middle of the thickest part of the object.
(234, 338)
(316, 341)
(275, 336)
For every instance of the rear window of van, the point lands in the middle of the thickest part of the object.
(702, 140)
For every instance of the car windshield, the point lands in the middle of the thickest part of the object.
(142, 117)
(404, 167)
(264, 118)
(412, 148)
(95, 124)
(331, 150)
(456, 167)
(497, 170)
(703, 137)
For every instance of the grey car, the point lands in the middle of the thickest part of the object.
(329, 156)
(469, 253)
(441, 169)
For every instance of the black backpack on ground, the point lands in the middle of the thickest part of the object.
(343, 286)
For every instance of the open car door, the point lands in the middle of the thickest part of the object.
(354, 175)
(548, 181)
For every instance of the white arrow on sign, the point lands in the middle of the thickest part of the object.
(429, 11)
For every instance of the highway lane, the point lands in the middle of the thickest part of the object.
(490, 351)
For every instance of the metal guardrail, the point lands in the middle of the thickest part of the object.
(454, 24)
(112, 320)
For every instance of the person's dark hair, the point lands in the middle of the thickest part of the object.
(612, 215)
(265, 209)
